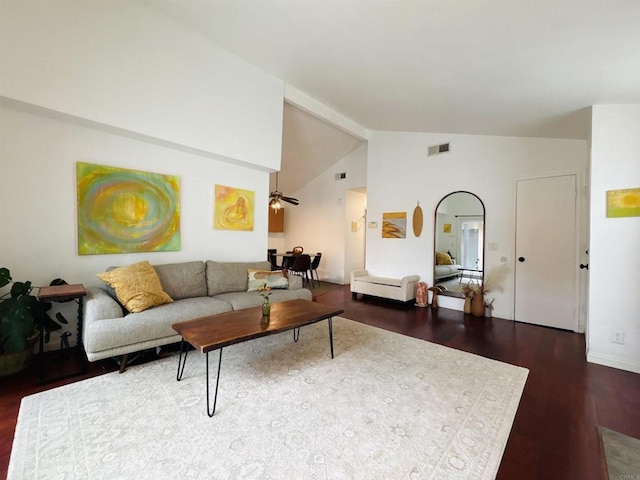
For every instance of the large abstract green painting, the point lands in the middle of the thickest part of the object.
(123, 211)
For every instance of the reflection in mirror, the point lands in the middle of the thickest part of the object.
(459, 242)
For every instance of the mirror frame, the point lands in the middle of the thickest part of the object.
(447, 293)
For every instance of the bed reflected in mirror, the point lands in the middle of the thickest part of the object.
(459, 242)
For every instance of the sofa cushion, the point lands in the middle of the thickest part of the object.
(392, 282)
(137, 286)
(223, 277)
(241, 300)
(274, 280)
(183, 280)
(151, 324)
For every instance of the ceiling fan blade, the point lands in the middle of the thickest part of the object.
(276, 196)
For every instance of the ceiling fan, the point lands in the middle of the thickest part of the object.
(276, 197)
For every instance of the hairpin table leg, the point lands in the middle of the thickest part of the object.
(215, 398)
(184, 349)
(330, 321)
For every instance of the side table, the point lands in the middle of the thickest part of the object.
(62, 293)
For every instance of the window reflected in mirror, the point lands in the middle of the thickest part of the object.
(459, 242)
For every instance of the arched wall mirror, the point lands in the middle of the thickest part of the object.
(459, 242)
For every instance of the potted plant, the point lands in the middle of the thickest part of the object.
(20, 317)
(475, 292)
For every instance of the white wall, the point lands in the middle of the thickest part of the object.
(125, 65)
(320, 222)
(614, 256)
(400, 174)
(38, 198)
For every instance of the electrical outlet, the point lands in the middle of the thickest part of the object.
(617, 336)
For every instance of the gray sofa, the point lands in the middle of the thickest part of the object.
(197, 288)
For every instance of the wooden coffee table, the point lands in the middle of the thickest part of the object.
(217, 331)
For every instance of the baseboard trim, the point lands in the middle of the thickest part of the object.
(615, 362)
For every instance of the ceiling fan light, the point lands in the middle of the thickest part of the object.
(275, 204)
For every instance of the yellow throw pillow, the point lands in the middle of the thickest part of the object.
(137, 286)
(443, 258)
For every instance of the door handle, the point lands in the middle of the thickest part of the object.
(583, 266)
(521, 259)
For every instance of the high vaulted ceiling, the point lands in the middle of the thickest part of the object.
(309, 147)
(494, 67)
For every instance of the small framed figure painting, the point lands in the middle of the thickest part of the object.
(233, 208)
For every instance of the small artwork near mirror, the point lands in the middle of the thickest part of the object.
(459, 242)
(394, 225)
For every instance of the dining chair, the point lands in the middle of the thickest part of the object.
(315, 263)
(273, 260)
(301, 266)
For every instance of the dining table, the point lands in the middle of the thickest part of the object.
(287, 259)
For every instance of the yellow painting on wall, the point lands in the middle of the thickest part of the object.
(446, 228)
(394, 225)
(233, 208)
(623, 203)
(126, 211)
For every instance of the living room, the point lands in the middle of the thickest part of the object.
(122, 84)
(136, 101)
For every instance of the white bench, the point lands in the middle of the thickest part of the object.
(402, 289)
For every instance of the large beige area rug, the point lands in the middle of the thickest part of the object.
(387, 407)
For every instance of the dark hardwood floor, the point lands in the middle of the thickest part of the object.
(554, 435)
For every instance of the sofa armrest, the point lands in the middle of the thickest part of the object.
(295, 282)
(358, 273)
(410, 279)
(99, 305)
(355, 274)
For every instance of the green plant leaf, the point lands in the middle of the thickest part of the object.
(19, 289)
(50, 325)
(13, 340)
(5, 277)
(61, 318)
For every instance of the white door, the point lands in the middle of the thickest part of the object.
(545, 290)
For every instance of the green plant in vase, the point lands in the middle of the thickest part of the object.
(265, 292)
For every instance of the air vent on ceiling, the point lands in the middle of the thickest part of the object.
(436, 149)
